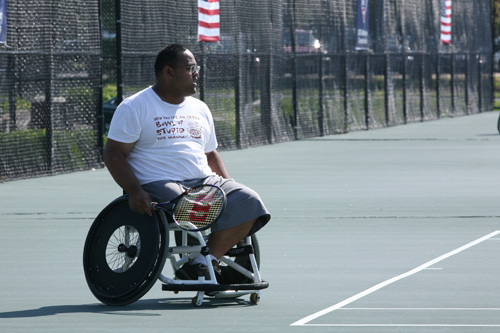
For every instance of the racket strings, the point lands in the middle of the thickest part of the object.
(199, 207)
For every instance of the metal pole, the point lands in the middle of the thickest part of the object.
(386, 89)
(438, 74)
(237, 95)
(100, 111)
(321, 115)
(453, 83)
(11, 78)
(467, 84)
(367, 91)
(203, 71)
(405, 97)
(480, 82)
(119, 69)
(294, 70)
(422, 86)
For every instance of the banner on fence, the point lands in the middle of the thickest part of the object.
(446, 21)
(208, 21)
(3, 21)
(362, 25)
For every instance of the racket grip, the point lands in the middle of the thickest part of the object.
(152, 205)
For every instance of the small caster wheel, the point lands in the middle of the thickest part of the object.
(254, 298)
(196, 302)
(175, 292)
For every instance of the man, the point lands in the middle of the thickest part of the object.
(162, 141)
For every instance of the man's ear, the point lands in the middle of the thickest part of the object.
(168, 72)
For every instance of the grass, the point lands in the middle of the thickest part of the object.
(496, 91)
(108, 91)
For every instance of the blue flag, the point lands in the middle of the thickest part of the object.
(362, 25)
(3, 21)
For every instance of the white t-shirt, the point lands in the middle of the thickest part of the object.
(171, 139)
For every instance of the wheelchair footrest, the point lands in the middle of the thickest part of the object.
(215, 287)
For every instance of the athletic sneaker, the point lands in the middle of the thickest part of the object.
(192, 272)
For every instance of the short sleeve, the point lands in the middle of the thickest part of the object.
(125, 125)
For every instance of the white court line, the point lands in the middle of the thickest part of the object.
(397, 325)
(422, 309)
(307, 319)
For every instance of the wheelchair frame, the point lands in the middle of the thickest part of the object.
(119, 269)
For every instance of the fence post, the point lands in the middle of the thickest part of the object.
(203, 71)
(480, 82)
(11, 77)
(467, 84)
(405, 97)
(452, 82)
(438, 75)
(367, 91)
(119, 63)
(346, 94)
(386, 89)
(237, 95)
(293, 54)
(422, 86)
(321, 114)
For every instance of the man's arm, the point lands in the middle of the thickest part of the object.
(115, 158)
(215, 163)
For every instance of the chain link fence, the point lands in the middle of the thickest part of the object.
(263, 91)
(283, 70)
(50, 88)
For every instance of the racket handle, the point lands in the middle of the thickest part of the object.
(152, 205)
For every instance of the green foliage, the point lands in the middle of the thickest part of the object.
(21, 104)
(26, 153)
(80, 95)
(496, 91)
(108, 91)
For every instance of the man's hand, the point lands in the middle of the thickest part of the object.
(139, 202)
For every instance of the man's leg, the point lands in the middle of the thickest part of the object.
(222, 241)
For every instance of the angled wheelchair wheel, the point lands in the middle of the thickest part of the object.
(124, 253)
(228, 274)
(498, 124)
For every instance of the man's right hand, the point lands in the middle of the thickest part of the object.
(139, 202)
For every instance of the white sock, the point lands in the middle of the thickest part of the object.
(200, 259)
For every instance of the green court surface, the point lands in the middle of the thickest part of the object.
(388, 230)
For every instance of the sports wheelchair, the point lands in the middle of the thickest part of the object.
(125, 254)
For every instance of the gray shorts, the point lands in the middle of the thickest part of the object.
(243, 204)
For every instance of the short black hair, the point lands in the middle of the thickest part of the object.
(168, 56)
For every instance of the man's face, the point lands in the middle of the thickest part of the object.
(184, 80)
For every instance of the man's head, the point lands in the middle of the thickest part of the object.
(176, 72)
(168, 57)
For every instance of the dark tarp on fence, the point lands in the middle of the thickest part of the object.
(50, 88)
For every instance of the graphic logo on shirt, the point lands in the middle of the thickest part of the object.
(177, 127)
(194, 130)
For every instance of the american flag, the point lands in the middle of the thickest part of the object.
(208, 21)
(446, 21)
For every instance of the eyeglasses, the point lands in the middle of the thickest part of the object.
(192, 69)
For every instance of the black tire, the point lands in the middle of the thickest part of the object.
(230, 275)
(124, 253)
(498, 124)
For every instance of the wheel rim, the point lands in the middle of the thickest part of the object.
(123, 249)
(124, 254)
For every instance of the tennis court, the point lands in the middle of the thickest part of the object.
(389, 230)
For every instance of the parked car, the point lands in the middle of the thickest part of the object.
(305, 42)
(108, 109)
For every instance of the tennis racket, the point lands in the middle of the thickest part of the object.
(198, 208)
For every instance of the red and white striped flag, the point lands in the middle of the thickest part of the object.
(446, 21)
(208, 21)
